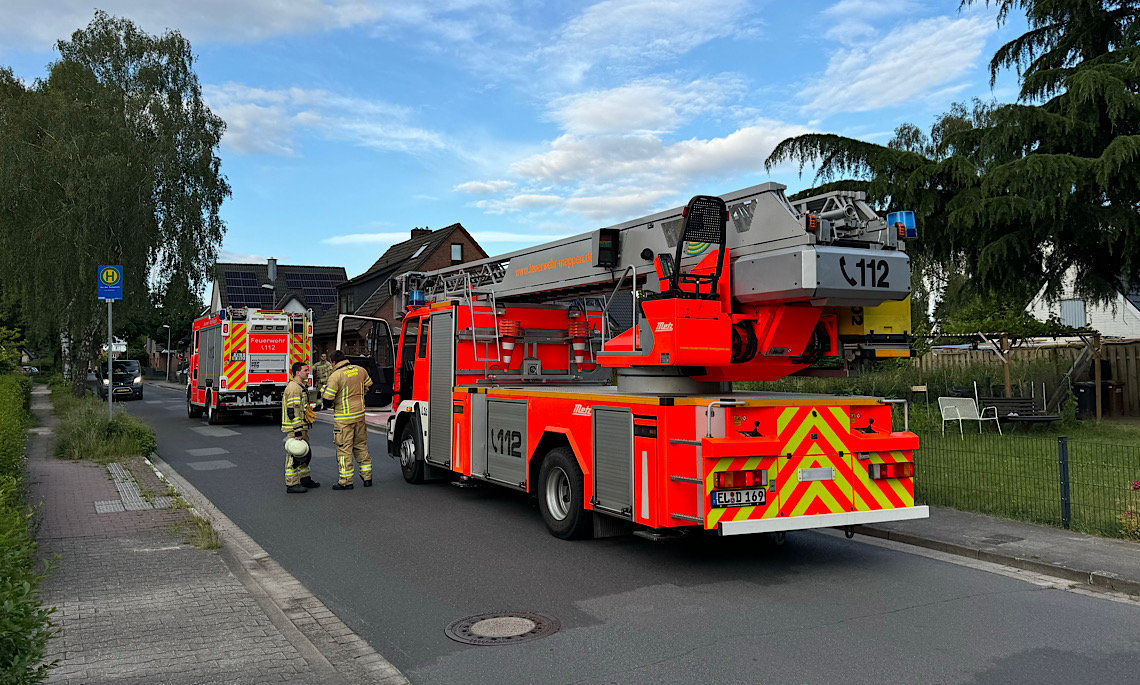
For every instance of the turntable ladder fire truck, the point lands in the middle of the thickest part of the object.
(240, 359)
(504, 370)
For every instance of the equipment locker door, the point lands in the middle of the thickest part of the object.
(440, 387)
(506, 441)
(613, 460)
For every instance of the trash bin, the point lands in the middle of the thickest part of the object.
(1111, 398)
(1086, 399)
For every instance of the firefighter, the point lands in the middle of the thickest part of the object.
(321, 372)
(344, 392)
(295, 425)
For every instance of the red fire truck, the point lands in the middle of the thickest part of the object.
(521, 371)
(240, 359)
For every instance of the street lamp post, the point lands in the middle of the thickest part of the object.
(167, 327)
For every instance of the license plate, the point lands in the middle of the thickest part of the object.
(738, 498)
(123, 390)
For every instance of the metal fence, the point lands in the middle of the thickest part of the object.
(1080, 484)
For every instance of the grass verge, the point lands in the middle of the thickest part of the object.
(25, 624)
(85, 433)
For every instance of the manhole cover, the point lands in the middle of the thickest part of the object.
(502, 628)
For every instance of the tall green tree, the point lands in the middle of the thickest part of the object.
(1020, 193)
(110, 159)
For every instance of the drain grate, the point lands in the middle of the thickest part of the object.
(502, 628)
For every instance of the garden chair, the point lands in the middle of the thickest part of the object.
(965, 409)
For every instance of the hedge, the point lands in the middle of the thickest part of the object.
(25, 624)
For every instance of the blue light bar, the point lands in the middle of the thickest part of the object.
(906, 219)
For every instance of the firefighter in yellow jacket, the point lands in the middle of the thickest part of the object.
(295, 424)
(344, 392)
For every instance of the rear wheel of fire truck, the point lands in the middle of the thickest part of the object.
(411, 464)
(192, 410)
(560, 496)
(213, 414)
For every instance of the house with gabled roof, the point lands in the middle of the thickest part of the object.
(368, 294)
(286, 287)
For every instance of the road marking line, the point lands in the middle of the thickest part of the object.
(207, 451)
(214, 431)
(213, 465)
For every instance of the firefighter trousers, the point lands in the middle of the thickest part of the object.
(297, 468)
(351, 439)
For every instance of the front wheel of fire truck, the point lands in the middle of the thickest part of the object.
(411, 465)
(192, 410)
(560, 496)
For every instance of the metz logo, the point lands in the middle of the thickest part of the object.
(581, 410)
(664, 327)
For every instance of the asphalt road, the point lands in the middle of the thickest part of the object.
(398, 563)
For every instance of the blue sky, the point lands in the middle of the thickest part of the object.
(352, 121)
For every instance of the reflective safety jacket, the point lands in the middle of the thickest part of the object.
(346, 387)
(321, 371)
(293, 408)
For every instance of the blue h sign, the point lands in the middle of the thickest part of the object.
(110, 280)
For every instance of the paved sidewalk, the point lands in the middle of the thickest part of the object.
(1099, 562)
(136, 604)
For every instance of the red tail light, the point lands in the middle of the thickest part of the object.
(740, 479)
(899, 469)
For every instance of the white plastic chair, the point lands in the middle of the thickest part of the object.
(965, 409)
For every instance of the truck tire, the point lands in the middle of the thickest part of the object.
(192, 410)
(561, 496)
(411, 461)
(213, 414)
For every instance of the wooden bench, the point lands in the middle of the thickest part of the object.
(1018, 409)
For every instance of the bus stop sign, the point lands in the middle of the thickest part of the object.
(110, 280)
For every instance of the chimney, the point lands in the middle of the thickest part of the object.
(420, 232)
(272, 264)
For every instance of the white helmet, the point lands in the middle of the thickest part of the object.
(297, 448)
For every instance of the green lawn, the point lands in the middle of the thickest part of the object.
(1018, 476)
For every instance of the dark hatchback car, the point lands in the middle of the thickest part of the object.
(127, 380)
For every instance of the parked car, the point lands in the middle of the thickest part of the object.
(29, 369)
(126, 381)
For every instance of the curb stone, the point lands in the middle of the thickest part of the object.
(1095, 579)
(331, 647)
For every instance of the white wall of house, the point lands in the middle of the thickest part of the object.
(1118, 317)
(294, 306)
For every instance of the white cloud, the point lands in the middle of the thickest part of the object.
(851, 21)
(37, 24)
(618, 33)
(483, 187)
(909, 62)
(655, 104)
(522, 201)
(230, 256)
(265, 121)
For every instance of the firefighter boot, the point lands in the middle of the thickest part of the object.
(310, 483)
(338, 486)
(296, 489)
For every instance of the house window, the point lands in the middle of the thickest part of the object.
(1073, 313)
(347, 303)
(456, 253)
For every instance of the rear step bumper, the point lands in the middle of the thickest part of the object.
(846, 518)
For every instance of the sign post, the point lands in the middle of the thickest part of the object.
(110, 288)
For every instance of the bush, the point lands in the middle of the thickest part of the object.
(85, 433)
(25, 625)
